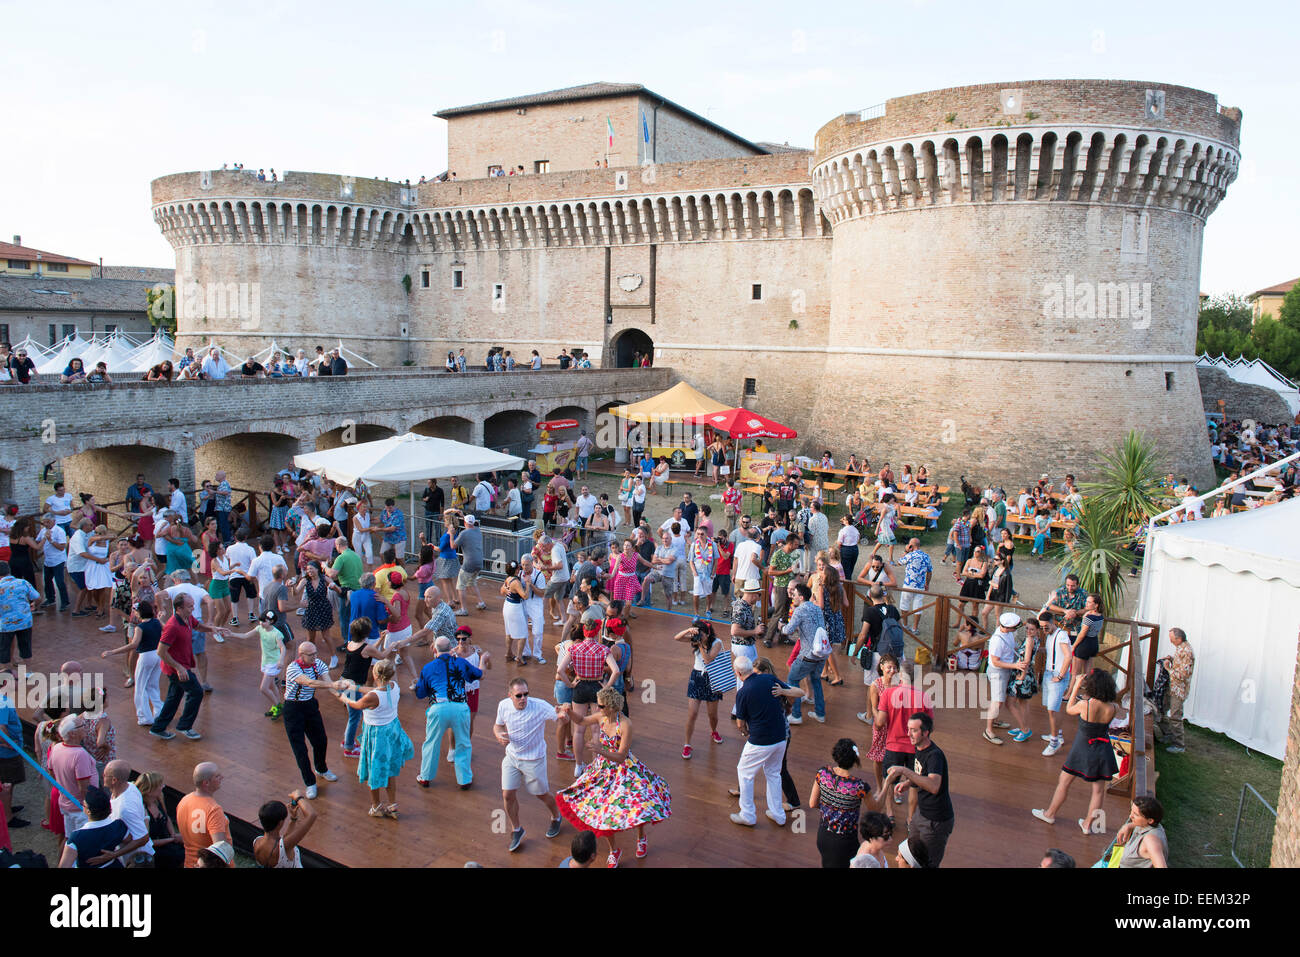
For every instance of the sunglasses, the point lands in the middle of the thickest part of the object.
(519, 696)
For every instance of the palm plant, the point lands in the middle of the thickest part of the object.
(1097, 557)
(1127, 492)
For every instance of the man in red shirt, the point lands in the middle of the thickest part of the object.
(897, 705)
(177, 654)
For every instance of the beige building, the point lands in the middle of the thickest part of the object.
(1268, 302)
(581, 127)
(19, 260)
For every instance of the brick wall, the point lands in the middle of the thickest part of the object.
(1286, 832)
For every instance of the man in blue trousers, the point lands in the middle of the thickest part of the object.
(443, 679)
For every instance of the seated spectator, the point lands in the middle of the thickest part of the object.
(100, 374)
(75, 372)
(162, 372)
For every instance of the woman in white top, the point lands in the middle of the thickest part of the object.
(876, 830)
(385, 747)
(278, 845)
(362, 541)
(847, 540)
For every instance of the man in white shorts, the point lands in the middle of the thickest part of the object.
(1003, 664)
(521, 727)
(558, 568)
(917, 569)
(533, 608)
(1056, 677)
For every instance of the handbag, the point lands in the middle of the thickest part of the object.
(722, 676)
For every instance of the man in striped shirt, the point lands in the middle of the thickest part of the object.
(521, 727)
(302, 720)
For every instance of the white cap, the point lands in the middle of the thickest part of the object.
(1009, 619)
(471, 520)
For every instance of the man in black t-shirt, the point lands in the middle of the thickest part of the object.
(21, 367)
(252, 369)
(932, 825)
(873, 618)
(433, 498)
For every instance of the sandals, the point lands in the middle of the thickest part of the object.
(376, 810)
(836, 684)
(390, 811)
(129, 683)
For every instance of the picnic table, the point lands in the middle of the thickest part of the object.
(1014, 519)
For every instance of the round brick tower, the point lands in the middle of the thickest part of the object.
(315, 255)
(1014, 278)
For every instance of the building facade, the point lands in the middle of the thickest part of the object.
(999, 277)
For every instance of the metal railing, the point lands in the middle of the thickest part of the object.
(1252, 833)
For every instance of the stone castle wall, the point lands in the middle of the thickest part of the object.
(1241, 400)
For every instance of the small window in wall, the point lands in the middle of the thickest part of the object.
(54, 334)
(56, 267)
(498, 295)
(110, 328)
(19, 264)
(69, 330)
(424, 279)
(494, 170)
(458, 279)
(756, 292)
(751, 387)
(4, 332)
(541, 166)
(1169, 382)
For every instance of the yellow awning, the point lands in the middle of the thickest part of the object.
(671, 406)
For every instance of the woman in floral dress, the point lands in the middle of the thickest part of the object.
(617, 792)
(887, 671)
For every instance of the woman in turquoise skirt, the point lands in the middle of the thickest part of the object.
(385, 746)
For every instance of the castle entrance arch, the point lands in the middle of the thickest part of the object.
(627, 344)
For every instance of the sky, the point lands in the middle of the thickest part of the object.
(102, 98)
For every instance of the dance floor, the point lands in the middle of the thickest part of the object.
(992, 788)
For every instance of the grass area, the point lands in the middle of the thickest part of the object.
(1201, 790)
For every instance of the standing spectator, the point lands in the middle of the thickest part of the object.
(706, 646)
(582, 450)
(13, 770)
(745, 625)
(521, 727)
(1092, 756)
(760, 715)
(470, 543)
(18, 599)
(1055, 676)
(896, 706)
(1180, 664)
(808, 624)
(392, 523)
(783, 561)
(933, 821)
(302, 719)
(73, 768)
(917, 570)
(731, 499)
(839, 795)
(1004, 665)
(200, 819)
(136, 493)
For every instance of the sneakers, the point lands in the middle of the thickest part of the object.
(1048, 737)
(516, 838)
(992, 738)
(564, 756)
(1001, 725)
(1042, 816)
(334, 661)
(78, 614)
(819, 718)
(717, 738)
(191, 734)
(165, 735)
(355, 753)
(554, 831)
(481, 606)
(463, 613)
(687, 751)
(312, 792)
(778, 821)
(251, 617)
(557, 622)
(578, 770)
(737, 819)
(793, 719)
(613, 859)
(1052, 747)
(276, 710)
(642, 847)
(329, 775)
(540, 660)
(1022, 736)
(107, 628)
(865, 718)
(207, 689)
(234, 620)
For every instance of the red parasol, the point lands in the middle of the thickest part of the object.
(744, 424)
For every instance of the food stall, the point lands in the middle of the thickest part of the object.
(550, 452)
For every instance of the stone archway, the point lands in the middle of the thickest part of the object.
(627, 344)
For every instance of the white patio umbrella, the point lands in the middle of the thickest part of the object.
(404, 458)
(55, 362)
(156, 350)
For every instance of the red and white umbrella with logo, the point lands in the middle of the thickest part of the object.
(744, 424)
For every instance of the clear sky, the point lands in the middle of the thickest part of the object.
(101, 98)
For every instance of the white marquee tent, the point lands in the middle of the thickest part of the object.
(404, 458)
(57, 360)
(1256, 372)
(1233, 584)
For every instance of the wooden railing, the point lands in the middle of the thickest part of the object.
(1138, 670)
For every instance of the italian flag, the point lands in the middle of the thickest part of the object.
(610, 126)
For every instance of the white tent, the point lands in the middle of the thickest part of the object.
(404, 458)
(1233, 584)
(35, 351)
(115, 351)
(158, 349)
(55, 362)
(1256, 372)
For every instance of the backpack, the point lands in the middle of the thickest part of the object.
(891, 636)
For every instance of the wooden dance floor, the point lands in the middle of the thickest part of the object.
(992, 788)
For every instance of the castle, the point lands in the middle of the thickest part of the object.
(997, 279)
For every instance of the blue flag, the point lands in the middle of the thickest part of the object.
(645, 128)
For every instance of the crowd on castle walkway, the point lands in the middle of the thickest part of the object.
(336, 615)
